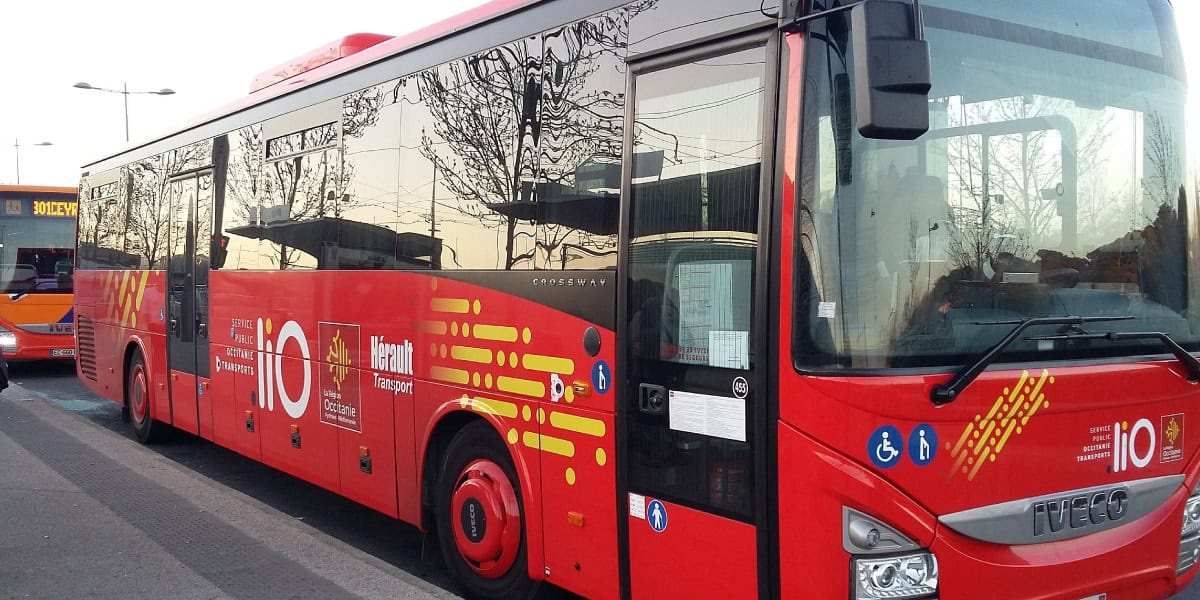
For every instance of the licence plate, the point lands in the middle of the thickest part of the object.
(62, 352)
(1096, 597)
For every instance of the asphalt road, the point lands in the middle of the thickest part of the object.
(383, 547)
(85, 512)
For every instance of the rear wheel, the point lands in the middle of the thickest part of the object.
(137, 403)
(480, 523)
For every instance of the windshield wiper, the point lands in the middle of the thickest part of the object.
(1189, 362)
(947, 392)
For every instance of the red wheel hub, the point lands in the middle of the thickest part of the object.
(486, 519)
(139, 402)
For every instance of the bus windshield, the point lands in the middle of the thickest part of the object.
(1051, 182)
(37, 239)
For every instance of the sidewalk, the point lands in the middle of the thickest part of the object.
(85, 512)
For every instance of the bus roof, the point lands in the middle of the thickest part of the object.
(366, 56)
(38, 189)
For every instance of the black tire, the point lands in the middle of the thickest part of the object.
(477, 445)
(137, 403)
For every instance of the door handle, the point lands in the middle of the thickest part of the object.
(652, 399)
(202, 329)
(174, 326)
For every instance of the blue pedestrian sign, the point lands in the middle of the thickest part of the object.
(601, 377)
(656, 515)
(885, 447)
(922, 444)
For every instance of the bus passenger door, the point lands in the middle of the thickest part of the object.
(692, 412)
(187, 302)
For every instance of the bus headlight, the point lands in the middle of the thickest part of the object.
(1191, 516)
(1189, 536)
(886, 563)
(907, 576)
(8, 341)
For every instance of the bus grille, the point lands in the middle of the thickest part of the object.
(85, 335)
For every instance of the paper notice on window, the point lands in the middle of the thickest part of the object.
(826, 310)
(716, 416)
(705, 304)
(729, 349)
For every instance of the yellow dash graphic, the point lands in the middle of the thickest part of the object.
(963, 439)
(125, 313)
(978, 463)
(434, 327)
(548, 364)
(142, 289)
(124, 285)
(448, 375)
(495, 333)
(478, 355)
(983, 440)
(525, 387)
(577, 424)
(492, 406)
(1012, 424)
(450, 305)
(553, 445)
(987, 432)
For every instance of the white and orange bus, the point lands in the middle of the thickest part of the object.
(37, 256)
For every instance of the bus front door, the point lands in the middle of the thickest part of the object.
(187, 302)
(694, 426)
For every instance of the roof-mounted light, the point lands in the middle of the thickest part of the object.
(351, 44)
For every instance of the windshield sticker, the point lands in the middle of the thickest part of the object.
(984, 439)
(826, 310)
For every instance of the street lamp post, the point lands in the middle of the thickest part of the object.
(124, 91)
(17, 156)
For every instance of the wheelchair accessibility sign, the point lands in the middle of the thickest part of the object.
(885, 447)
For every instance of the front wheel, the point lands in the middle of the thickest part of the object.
(480, 522)
(137, 403)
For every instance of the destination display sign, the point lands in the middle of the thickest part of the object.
(35, 207)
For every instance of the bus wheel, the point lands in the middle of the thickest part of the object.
(137, 401)
(479, 517)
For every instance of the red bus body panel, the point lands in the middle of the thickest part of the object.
(697, 555)
(474, 350)
(1015, 432)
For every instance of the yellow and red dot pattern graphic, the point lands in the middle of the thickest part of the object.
(470, 349)
(983, 440)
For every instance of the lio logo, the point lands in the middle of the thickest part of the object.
(1126, 443)
(270, 368)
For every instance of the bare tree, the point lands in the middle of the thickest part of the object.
(309, 179)
(522, 117)
(1020, 184)
(149, 210)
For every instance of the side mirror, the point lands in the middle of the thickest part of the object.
(891, 71)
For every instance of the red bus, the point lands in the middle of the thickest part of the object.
(693, 298)
(37, 271)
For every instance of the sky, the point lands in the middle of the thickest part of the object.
(209, 58)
